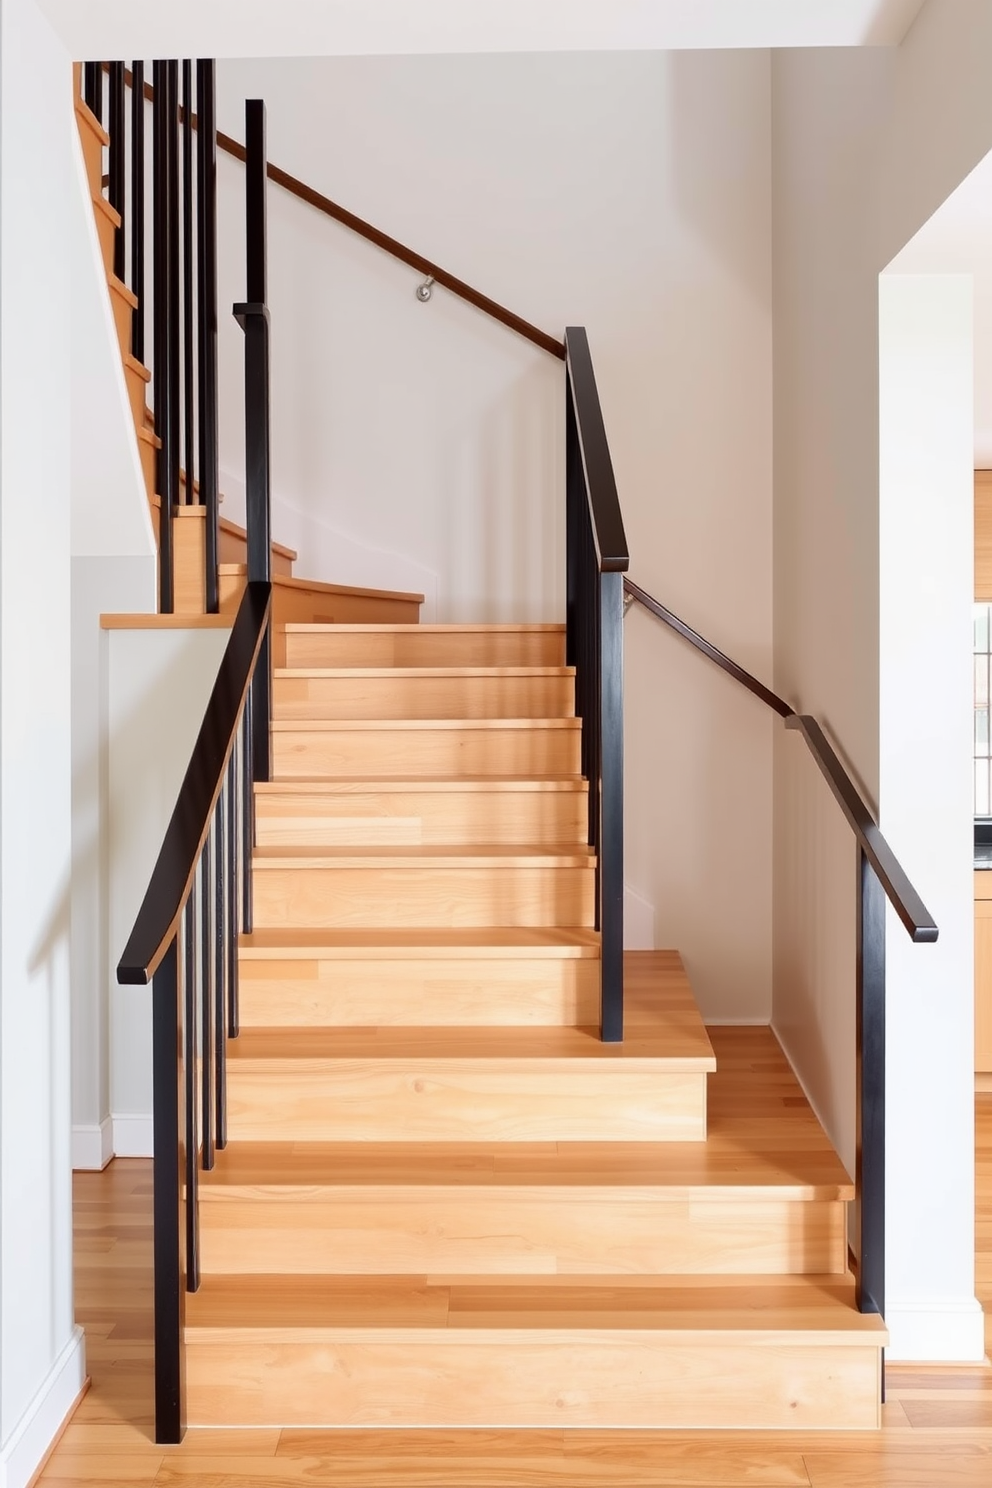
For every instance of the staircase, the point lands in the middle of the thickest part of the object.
(444, 1201)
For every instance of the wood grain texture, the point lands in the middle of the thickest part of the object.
(425, 646)
(417, 692)
(983, 536)
(336, 813)
(109, 1439)
(448, 748)
(454, 890)
(983, 984)
(189, 547)
(137, 376)
(308, 600)
(122, 302)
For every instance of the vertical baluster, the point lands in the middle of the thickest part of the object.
(233, 879)
(870, 1130)
(189, 393)
(221, 991)
(166, 319)
(208, 1016)
(169, 1102)
(93, 88)
(190, 1053)
(117, 165)
(138, 208)
(247, 812)
(206, 221)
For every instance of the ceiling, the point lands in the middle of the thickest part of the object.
(255, 28)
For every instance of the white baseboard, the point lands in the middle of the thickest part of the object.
(132, 1136)
(92, 1146)
(941, 1333)
(24, 1449)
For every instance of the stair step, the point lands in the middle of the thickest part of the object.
(451, 1084)
(423, 886)
(424, 692)
(424, 645)
(426, 747)
(430, 977)
(300, 600)
(671, 1351)
(333, 813)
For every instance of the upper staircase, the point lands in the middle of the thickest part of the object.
(444, 1201)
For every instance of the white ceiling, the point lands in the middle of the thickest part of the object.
(298, 28)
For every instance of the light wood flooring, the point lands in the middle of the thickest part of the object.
(937, 1430)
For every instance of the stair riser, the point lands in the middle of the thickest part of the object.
(416, 991)
(437, 753)
(421, 897)
(424, 697)
(122, 320)
(302, 606)
(426, 649)
(622, 1379)
(136, 392)
(506, 1231)
(447, 1100)
(106, 234)
(426, 818)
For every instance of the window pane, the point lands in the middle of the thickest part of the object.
(981, 731)
(981, 681)
(982, 788)
(981, 627)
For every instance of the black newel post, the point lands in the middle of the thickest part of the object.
(138, 208)
(206, 223)
(253, 317)
(871, 1088)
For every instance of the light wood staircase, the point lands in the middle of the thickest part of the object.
(294, 598)
(444, 1200)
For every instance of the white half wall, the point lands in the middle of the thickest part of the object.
(926, 527)
(42, 1363)
(159, 682)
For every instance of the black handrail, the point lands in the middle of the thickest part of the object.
(185, 940)
(595, 559)
(879, 874)
(642, 597)
(158, 918)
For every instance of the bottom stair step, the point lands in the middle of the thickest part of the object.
(670, 1351)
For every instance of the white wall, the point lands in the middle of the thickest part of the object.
(42, 1363)
(925, 739)
(865, 147)
(629, 193)
(113, 568)
(158, 685)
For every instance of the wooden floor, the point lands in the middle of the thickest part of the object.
(937, 1430)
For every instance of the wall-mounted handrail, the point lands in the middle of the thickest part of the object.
(596, 555)
(390, 245)
(642, 597)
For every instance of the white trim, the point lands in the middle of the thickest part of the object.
(25, 1447)
(944, 1332)
(92, 1146)
(132, 1136)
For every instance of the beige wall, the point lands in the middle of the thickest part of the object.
(865, 147)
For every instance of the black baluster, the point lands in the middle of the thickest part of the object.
(117, 162)
(871, 1089)
(233, 882)
(221, 991)
(138, 208)
(206, 186)
(166, 318)
(189, 391)
(247, 813)
(208, 1016)
(93, 88)
(169, 1100)
(190, 968)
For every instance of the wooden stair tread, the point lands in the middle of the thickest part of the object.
(86, 116)
(298, 628)
(409, 725)
(263, 945)
(317, 586)
(101, 204)
(350, 674)
(233, 530)
(352, 785)
(120, 288)
(567, 855)
(139, 368)
(809, 1309)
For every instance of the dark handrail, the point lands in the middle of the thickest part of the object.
(393, 246)
(898, 890)
(158, 918)
(707, 648)
(601, 486)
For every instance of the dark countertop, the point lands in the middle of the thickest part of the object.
(983, 844)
